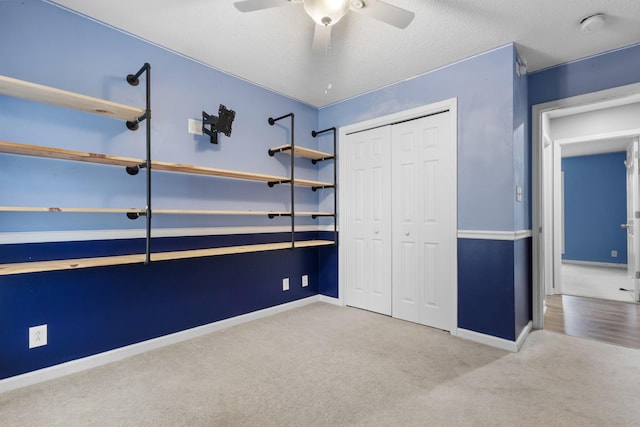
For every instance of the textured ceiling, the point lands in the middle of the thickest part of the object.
(272, 47)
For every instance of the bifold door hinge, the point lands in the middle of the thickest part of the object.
(637, 214)
(637, 274)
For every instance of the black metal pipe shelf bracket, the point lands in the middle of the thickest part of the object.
(314, 216)
(335, 179)
(271, 151)
(319, 132)
(314, 161)
(273, 215)
(272, 122)
(134, 80)
(320, 187)
(133, 170)
(284, 181)
(136, 215)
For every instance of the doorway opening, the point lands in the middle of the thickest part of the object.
(590, 211)
(586, 125)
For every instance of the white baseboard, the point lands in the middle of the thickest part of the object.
(513, 346)
(117, 354)
(330, 300)
(523, 335)
(494, 235)
(594, 263)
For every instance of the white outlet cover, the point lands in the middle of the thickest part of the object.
(37, 336)
(305, 280)
(195, 127)
(285, 284)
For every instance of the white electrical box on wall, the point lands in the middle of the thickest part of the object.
(37, 336)
(195, 127)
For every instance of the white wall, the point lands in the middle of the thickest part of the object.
(596, 122)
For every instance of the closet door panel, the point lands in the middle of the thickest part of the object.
(366, 228)
(422, 168)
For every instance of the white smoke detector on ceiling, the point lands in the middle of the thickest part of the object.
(592, 23)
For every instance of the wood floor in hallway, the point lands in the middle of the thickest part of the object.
(608, 321)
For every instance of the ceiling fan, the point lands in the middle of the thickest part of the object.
(327, 13)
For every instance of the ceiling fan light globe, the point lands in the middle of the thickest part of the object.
(326, 12)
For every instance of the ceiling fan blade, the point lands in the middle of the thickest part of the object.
(251, 5)
(321, 38)
(387, 13)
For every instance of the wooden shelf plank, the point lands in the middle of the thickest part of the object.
(212, 212)
(81, 156)
(302, 213)
(309, 183)
(155, 211)
(226, 173)
(68, 264)
(62, 154)
(72, 264)
(62, 98)
(229, 250)
(202, 170)
(306, 153)
(63, 209)
(234, 212)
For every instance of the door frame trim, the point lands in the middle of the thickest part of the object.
(607, 97)
(450, 105)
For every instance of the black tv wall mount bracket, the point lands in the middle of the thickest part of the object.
(218, 124)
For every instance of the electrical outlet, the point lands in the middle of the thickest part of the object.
(195, 127)
(614, 254)
(37, 336)
(305, 280)
(285, 284)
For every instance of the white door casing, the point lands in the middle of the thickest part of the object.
(368, 214)
(423, 226)
(546, 225)
(633, 213)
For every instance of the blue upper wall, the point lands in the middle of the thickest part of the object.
(45, 44)
(521, 153)
(604, 71)
(484, 88)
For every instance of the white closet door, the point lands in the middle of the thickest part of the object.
(424, 221)
(367, 220)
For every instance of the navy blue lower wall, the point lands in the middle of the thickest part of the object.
(328, 266)
(486, 287)
(89, 311)
(522, 283)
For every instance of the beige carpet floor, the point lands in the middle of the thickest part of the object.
(323, 365)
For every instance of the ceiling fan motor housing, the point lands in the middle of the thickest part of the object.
(326, 12)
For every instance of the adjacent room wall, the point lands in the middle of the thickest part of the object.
(595, 204)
